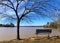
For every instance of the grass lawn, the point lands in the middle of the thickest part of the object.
(35, 40)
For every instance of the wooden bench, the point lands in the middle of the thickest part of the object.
(43, 31)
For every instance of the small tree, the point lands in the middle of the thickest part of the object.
(23, 7)
(53, 25)
(58, 21)
(12, 24)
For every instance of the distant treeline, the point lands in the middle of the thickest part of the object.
(7, 25)
(51, 25)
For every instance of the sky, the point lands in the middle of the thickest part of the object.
(34, 18)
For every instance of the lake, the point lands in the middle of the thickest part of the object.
(9, 33)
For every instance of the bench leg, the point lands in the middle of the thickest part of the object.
(48, 36)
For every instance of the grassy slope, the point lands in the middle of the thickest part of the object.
(42, 40)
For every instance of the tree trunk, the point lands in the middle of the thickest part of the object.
(18, 36)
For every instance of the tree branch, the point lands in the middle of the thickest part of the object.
(6, 5)
(11, 3)
(24, 15)
(42, 14)
(5, 15)
(18, 4)
(17, 9)
(11, 8)
(51, 6)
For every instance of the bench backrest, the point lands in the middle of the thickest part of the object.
(43, 31)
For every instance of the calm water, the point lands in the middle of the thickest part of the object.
(9, 33)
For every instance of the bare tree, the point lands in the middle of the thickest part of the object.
(27, 6)
(58, 20)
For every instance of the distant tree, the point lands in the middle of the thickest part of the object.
(0, 25)
(12, 24)
(48, 24)
(23, 7)
(53, 25)
(58, 22)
